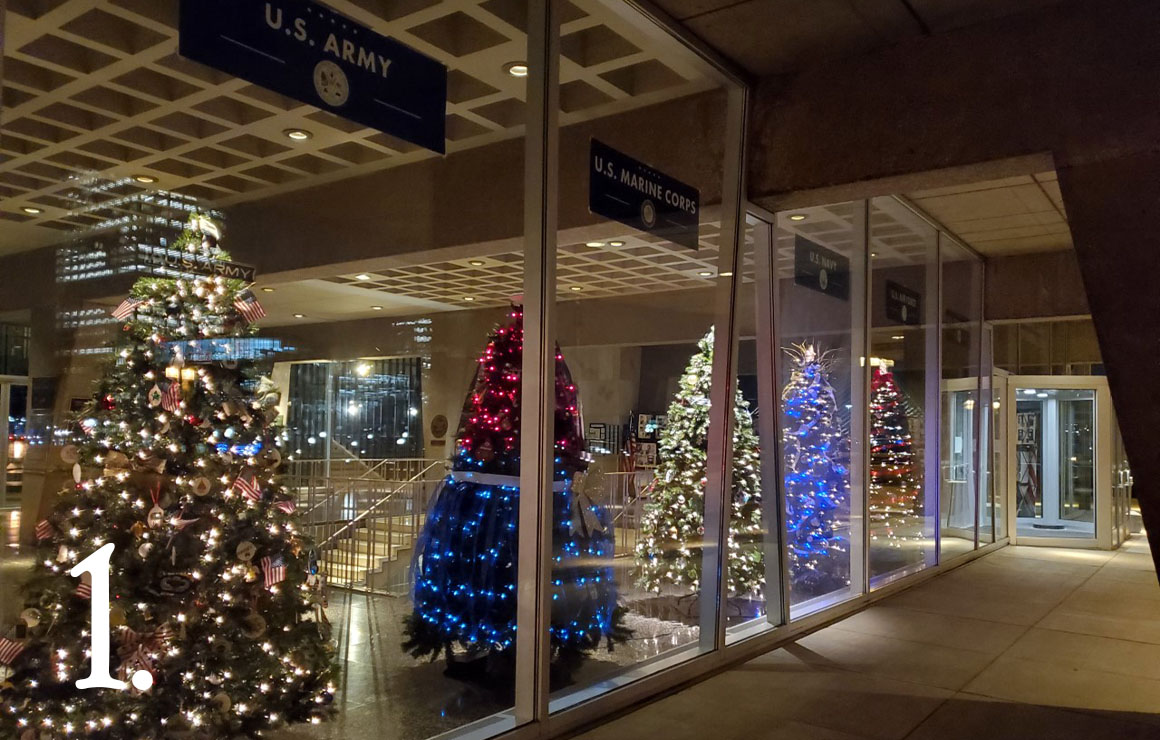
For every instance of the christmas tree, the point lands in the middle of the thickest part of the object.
(817, 479)
(895, 505)
(209, 583)
(669, 550)
(466, 558)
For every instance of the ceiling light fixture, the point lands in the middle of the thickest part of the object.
(705, 273)
(475, 263)
(798, 217)
(145, 179)
(468, 298)
(267, 290)
(376, 308)
(362, 276)
(898, 336)
(616, 244)
(32, 210)
(516, 69)
(298, 134)
(726, 274)
(299, 315)
(594, 244)
(873, 254)
(576, 288)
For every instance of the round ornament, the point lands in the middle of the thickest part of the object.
(156, 517)
(30, 617)
(154, 396)
(246, 551)
(271, 458)
(253, 625)
(145, 549)
(70, 454)
(201, 486)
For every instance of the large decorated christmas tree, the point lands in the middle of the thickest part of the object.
(672, 529)
(895, 492)
(466, 561)
(817, 479)
(210, 595)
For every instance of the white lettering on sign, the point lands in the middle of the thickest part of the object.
(343, 49)
(826, 263)
(650, 188)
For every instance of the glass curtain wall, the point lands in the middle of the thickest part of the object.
(902, 501)
(644, 248)
(961, 282)
(820, 272)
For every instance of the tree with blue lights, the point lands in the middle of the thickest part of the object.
(668, 552)
(817, 479)
(466, 558)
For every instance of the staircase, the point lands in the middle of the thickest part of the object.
(365, 516)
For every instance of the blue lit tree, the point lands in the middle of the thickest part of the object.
(466, 558)
(817, 479)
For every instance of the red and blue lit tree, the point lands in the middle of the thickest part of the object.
(895, 504)
(817, 479)
(466, 559)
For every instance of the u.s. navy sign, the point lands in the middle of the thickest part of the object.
(310, 53)
(629, 191)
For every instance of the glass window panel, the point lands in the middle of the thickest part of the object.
(374, 395)
(962, 275)
(820, 263)
(903, 334)
(635, 311)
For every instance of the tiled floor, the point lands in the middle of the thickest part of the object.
(1025, 643)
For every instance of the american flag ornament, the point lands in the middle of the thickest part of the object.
(274, 569)
(126, 308)
(171, 399)
(248, 306)
(43, 530)
(285, 506)
(248, 486)
(85, 589)
(10, 650)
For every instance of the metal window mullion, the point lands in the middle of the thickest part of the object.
(977, 420)
(538, 398)
(933, 395)
(941, 421)
(862, 230)
(719, 462)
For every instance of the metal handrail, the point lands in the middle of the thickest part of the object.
(414, 479)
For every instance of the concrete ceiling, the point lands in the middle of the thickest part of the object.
(1015, 215)
(771, 37)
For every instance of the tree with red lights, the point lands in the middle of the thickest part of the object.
(467, 555)
(895, 504)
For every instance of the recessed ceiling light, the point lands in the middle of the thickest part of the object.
(475, 263)
(576, 288)
(798, 217)
(376, 308)
(705, 273)
(468, 298)
(726, 274)
(516, 69)
(145, 179)
(299, 315)
(267, 290)
(616, 244)
(362, 276)
(898, 336)
(594, 244)
(873, 254)
(298, 134)
(32, 210)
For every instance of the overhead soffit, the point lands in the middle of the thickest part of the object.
(98, 88)
(772, 37)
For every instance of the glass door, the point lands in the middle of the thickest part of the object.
(13, 427)
(1055, 463)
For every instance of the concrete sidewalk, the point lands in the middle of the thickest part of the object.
(1023, 643)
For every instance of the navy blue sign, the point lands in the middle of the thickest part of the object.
(902, 304)
(631, 192)
(310, 53)
(820, 269)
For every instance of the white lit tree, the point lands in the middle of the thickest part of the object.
(672, 530)
(895, 502)
(211, 589)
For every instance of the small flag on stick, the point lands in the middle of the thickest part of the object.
(43, 530)
(126, 308)
(10, 650)
(274, 569)
(171, 400)
(248, 306)
(248, 487)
